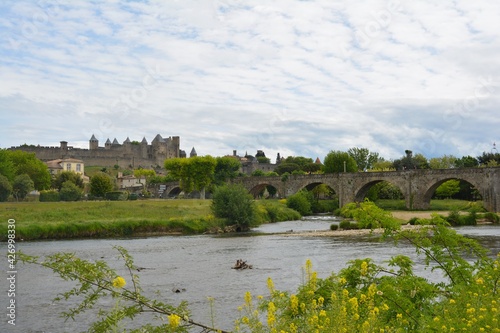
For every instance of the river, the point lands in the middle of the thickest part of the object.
(200, 267)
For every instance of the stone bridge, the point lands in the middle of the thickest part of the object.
(417, 186)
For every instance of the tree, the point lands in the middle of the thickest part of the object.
(466, 162)
(226, 168)
(22, 186)
(263, 159)
(7, 167)
(448, 189)
(444, 162)
(100, 183)
(234, 204)
(194, 173)
(138, 173)
(203, 168)
(485, 158)
(363, 157)
(70, 192)
(5, 188)
(27, 163)
(410, 162)
(286, 167)
(65, 176)
(335, 161)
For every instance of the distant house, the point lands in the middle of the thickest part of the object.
(67, 164)
(130, 182)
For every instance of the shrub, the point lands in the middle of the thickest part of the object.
(49, 196)
(234, 204)
(334, 226)
(116, 196)
(345, 225)
(70, 192)
(133, 196)
(300, 202)
(491, 217)
(22, 186)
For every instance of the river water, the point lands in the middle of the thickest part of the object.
(200, 267)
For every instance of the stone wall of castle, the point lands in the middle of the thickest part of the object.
(126, 155)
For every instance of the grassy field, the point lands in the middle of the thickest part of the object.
(46, 220)
(57, 220)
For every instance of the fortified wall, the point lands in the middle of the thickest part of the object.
(128, 154)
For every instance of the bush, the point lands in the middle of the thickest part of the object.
(49, 196)
(491, 217)
(346, 225)
(5, 188)
(334, 227)
(234, 204)
(116, 196)
(22, 186)
(300, 202)
(70, 192)
(133, 196)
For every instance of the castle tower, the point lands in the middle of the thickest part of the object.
(107, 145)
(64, 146)
(193, 153)
(93, 143)
(144, 148)
(127, 144)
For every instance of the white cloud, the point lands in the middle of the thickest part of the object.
(295, 77)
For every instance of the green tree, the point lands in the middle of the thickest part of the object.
(263, 159)
(100, 183)
(363, 157)
(22, 186)
(27, 163)
(234, 204)
(226, 168)
(410, 162)
(194, 173)
(65, 176)
(335, 161)
(5, 188)
(70, 192)
(466, 162)
(448, 188)
(444, 162)
(286, 167)
(7, 167)
(258, 173)
(138, 173)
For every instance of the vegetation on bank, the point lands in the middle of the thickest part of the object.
(58, 220)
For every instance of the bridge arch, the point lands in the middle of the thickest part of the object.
(363, 190)
(257, 189)
(429, 192)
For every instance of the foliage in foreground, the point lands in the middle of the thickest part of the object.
(367, 297)
(363, 297)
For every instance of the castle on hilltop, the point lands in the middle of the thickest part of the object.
(127, 154)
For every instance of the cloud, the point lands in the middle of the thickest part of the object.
(295, 77)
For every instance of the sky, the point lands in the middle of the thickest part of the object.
(301, 78)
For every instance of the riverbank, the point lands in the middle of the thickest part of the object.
(105, 219)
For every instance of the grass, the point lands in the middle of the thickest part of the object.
(63, 220)
(46, 220)
(437, 205)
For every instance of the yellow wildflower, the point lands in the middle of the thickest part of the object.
(119, 282)
(364, 268)
(174, 320)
